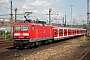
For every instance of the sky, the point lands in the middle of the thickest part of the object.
(40, 9)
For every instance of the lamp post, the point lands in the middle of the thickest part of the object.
(11, 17)
(71, 14)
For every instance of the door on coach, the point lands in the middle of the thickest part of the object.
(55, 32)
(60, 32)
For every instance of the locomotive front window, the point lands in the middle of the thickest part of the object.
(21, 27)
(17, 27)
(25, 27)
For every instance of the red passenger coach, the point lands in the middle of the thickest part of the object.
(60, 32)
(28, 33)
(65, 32)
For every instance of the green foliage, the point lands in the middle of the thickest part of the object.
(8, 33)
(1, 33)
(8, 36)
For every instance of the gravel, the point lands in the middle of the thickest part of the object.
(69, 49)
(72, 49)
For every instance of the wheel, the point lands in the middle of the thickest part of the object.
(21, 46)
(29, 46)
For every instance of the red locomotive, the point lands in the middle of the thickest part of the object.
(26, 35)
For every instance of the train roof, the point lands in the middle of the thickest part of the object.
(24, 23)
(56, 27)
(39, 24)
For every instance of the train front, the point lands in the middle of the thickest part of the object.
(21, 35)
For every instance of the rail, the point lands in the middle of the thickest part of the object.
(85, 56)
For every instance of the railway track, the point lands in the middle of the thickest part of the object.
(12, 53)
(15, 54)
(6, 43)
(9, 53)
(86, 56)
(2, 42)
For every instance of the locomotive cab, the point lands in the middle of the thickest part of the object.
(21, 34)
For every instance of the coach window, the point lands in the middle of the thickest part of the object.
(65, 32)
(69, 31)
(55, 31)
(60, 31)
(25, 27)
(32, 27)
(17, 27)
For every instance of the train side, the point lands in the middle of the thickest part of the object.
(65, 32)
(26, 35)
